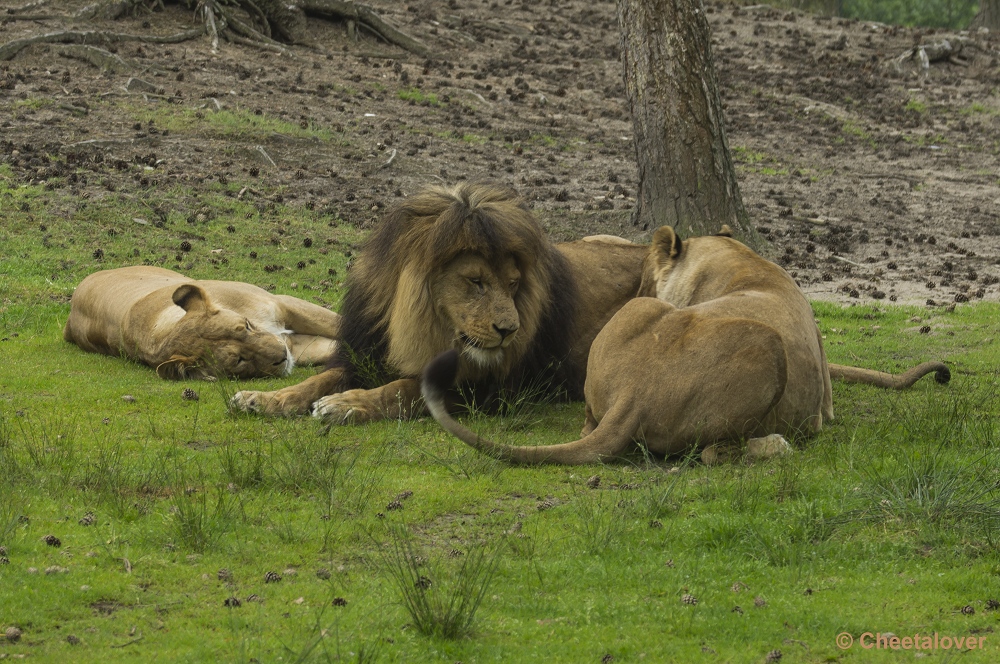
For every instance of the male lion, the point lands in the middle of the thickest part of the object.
(467, 268)
(727, 351)
(197, 329)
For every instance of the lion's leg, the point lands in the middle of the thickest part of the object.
(293, 400)
(399, 399)
(589, 424)
(309, 349)
(304, 317)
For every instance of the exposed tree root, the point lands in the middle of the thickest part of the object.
(264, 23)
(12, 48)
(95, 56)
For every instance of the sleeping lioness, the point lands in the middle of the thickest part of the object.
(197, 329)
(727, 351)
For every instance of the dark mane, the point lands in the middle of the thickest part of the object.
(429, 229)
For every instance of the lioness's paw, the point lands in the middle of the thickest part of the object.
(269, 403)
(769, 446)
(350, 407)
(246, 401)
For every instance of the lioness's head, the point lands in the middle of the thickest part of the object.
(208, 341)
(467, 268)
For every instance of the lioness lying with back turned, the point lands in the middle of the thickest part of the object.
(727, 351)
(197, 329)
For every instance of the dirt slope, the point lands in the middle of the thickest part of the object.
(872, 183)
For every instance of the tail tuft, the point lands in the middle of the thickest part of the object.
(942, 376)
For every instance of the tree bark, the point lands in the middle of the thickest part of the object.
(686, 174)
(988, 16)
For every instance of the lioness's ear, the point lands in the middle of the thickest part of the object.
(178, 367)
(191, 298)
(666, 243)
(725, 231)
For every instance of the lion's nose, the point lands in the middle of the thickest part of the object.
(504, 332)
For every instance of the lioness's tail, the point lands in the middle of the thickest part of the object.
(611, 437)
(895, 381)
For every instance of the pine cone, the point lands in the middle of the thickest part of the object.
(4, 560)
(3, 551)
(403, 495)
(423, 583)
(737, 609)
(232, 602)
(272, 577)
(394, 505)
(773, 656)
(13, 634)
(992, 605)
(688, 598)
(339, 601)
(594, 481)
(72, 639)
(323, 573)
(759, 602)
(52, 540)
(189, 395)
(253, 597)
(224, 575)
(967, 610)
(88, 519)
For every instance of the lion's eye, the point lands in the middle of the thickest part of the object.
(477, 282)
(514, 283)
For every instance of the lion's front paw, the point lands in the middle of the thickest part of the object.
(268, 403)
(351, 407)
(767, 447)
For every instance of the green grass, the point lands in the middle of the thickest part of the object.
(418, 96)
(233, 124)
(887, 521)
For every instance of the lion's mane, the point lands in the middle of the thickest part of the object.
(391, 326)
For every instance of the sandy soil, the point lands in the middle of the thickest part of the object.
(872, 183)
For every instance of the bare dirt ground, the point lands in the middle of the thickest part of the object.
(871, 183)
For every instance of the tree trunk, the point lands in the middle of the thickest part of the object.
(686, 175)
(988, 16)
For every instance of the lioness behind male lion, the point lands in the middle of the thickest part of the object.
(728, 351)
(197, 329)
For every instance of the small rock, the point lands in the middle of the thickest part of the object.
(128, 398)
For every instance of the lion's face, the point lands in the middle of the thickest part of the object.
(209, 341)
(477, 299)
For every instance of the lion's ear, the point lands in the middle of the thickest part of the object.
(725, 231)
(667, 244)
(191, 298)
(179, 367)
